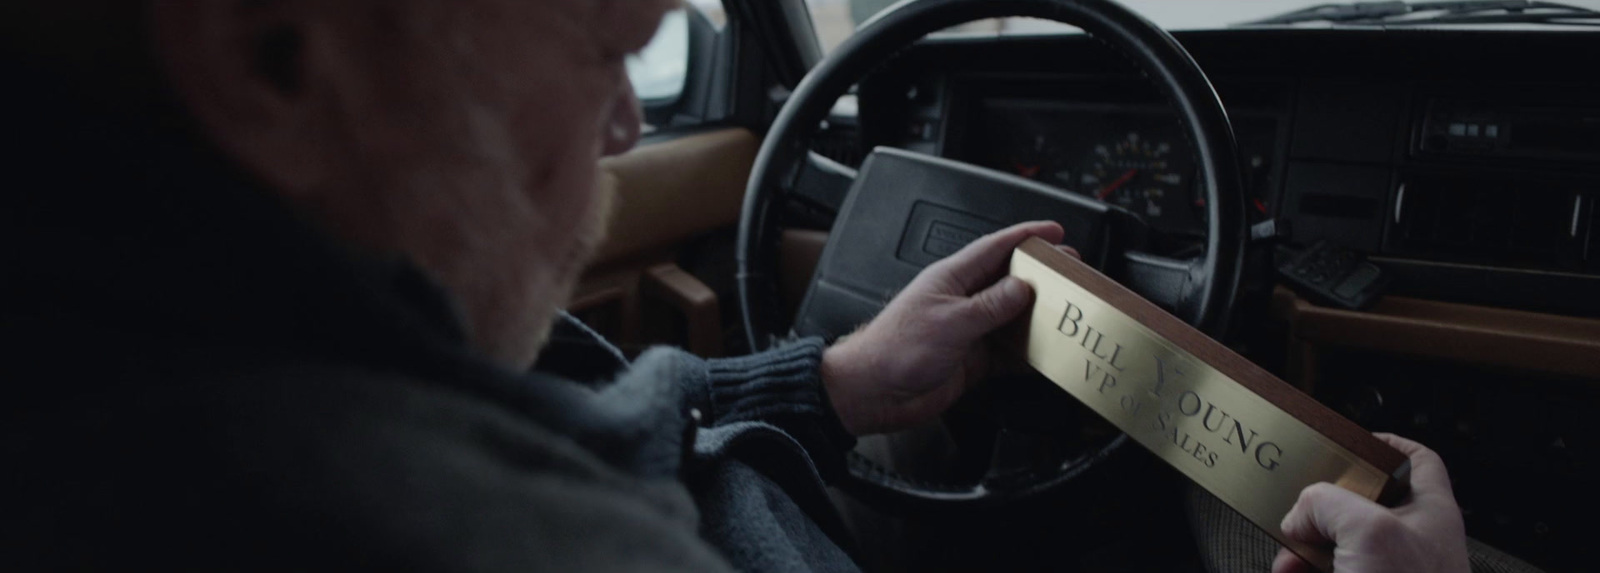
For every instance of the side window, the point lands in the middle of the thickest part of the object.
(659, 71)
(664, 73)
(836, 20)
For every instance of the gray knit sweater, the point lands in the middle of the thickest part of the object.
(765, 437)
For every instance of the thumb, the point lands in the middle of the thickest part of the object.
(1288, 562)
(997, 305)
(1326, 512)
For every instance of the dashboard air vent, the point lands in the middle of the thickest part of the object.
(1521, 225)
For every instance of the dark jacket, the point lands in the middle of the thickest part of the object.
(194, 377)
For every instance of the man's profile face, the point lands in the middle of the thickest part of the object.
(463, 135)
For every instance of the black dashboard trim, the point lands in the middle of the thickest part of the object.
(1410, 66)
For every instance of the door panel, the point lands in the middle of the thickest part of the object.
(674, 199)
(675, 190)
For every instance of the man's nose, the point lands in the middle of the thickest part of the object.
(622, 130)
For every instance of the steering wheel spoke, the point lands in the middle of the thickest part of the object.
(1168, 282)
(822, 182)
(1015, 452)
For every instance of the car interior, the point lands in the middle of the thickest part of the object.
(1390, 206)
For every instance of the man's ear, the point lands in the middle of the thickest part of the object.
(240, 68)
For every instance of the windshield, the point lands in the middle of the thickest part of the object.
(835, 20)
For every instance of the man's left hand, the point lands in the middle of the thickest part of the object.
(911, 362)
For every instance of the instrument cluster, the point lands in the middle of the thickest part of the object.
(1134, 157)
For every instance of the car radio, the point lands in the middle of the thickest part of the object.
(1465, 127)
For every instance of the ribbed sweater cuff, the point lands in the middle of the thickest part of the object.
(783, 387)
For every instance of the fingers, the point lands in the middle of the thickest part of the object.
(978, 263)
(1428, 474)
(1070, 251)
(997, 305)
(1326, 512)
(1288, 562)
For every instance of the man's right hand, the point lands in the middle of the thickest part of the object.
(1425, 535)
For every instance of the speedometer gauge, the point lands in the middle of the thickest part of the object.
(1137, 174)
(1138, 161)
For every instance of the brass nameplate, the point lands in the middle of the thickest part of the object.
(1249, 438)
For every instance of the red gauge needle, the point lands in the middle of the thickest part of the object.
(1026, 170)
(1262, 207)
(1123, 180)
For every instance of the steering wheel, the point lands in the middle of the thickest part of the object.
(902, 211)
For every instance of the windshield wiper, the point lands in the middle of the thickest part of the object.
(1456, 12)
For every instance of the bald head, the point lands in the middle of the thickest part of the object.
(462, 135)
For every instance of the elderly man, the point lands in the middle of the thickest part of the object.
(277, 270)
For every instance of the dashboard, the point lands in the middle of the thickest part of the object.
(1467, 163)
